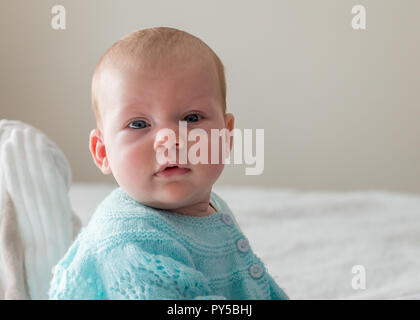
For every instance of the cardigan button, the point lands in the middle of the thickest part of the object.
(256, 271)
(242, 245)
(227, 219)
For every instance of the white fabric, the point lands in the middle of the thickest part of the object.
(34, 179)
(310, 241)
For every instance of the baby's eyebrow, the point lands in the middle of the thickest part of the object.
(132, 105)
(128, 111)
(200, 102)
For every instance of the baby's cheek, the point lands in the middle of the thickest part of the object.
(214, 166)
(131, 164)
(140, 161)
(218, 149)
(209, 173)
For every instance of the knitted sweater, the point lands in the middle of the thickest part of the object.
(132, 251)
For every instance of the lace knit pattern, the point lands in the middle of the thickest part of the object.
(132, 251)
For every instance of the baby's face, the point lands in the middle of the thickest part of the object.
(135, 105)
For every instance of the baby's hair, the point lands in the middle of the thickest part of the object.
(152, 46)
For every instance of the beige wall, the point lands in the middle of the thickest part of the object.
(340, 107)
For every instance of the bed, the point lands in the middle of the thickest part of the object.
(317, 245)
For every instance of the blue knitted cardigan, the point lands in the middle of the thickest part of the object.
(132, 251)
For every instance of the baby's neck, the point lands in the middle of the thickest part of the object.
(201, 209)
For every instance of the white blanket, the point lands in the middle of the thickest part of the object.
(36, 222)
(310, 241)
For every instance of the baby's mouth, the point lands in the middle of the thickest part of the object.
(171, 171)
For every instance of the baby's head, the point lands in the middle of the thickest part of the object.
(150, 80)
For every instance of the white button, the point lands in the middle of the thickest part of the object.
(227, 219)
(242, 245)
(256, 271)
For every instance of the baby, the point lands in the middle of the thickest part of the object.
(163, 233)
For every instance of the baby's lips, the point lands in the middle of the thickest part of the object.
(168, 165)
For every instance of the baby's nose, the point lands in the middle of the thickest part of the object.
(168, 139)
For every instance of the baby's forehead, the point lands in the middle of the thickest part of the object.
(115, 70)
(153, 65)
(132, 81)
(155, 69)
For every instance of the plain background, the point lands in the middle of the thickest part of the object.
(340, 107)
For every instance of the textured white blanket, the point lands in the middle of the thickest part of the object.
(36, 221)
(310, 241)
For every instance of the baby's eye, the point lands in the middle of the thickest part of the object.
(138, 124)
(193, 117)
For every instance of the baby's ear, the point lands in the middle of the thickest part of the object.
(229, 121)
(98, 151)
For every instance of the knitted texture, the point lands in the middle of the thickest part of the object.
(132, 251)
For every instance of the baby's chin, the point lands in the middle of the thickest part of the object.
(173, 197)
(170, 196)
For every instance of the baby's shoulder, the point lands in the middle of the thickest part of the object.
(119, 216)
(110, 228)
(149, 232)
(129, 242)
